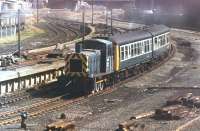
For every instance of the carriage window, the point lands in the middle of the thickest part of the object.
(156, 43)
(164, 41)
(148, 48)
(135, 47)
(142, 47)
(126, 51)
(150, 41)
(167, 39)
(159, 41)
(156, 40)
(145, 46)
(122, 53)
(139, 48)
(150, 45)
(132, 50)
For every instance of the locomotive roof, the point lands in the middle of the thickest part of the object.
(106, 42)
(129, 37)
(138, 35)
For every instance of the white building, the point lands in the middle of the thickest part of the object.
(9, 15)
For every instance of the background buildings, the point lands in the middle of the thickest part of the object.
(9, 16)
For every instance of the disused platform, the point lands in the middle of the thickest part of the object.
(30, 76)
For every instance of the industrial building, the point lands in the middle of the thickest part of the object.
(9, 16)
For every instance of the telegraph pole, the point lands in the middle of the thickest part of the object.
(19, 37)
(111, 22)
(92, 12)
(83, 30)
(106, 21)
(1, 30)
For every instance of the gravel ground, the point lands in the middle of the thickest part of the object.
(181, 71)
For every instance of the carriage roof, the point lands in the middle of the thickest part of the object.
(137, 35)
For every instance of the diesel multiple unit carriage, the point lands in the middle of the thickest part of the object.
(101, 62)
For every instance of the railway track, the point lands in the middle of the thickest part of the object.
(58, 31)
(14, 99)
(62, 32)
(9, 99)
(73, 27)
(43, 107)
(39, 108)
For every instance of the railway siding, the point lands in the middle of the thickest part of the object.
(70, 43)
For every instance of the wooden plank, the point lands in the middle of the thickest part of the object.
(143, 115)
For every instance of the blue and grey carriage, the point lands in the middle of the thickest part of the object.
(100, 62)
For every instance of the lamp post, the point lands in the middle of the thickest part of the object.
(111, 22)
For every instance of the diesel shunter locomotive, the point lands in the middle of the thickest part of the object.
(98, 63)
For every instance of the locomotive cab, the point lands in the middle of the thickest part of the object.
(83, 64)
(106, 49)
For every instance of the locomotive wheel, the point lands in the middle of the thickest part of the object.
(97, 88)
(93, 91)
(101, 86)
